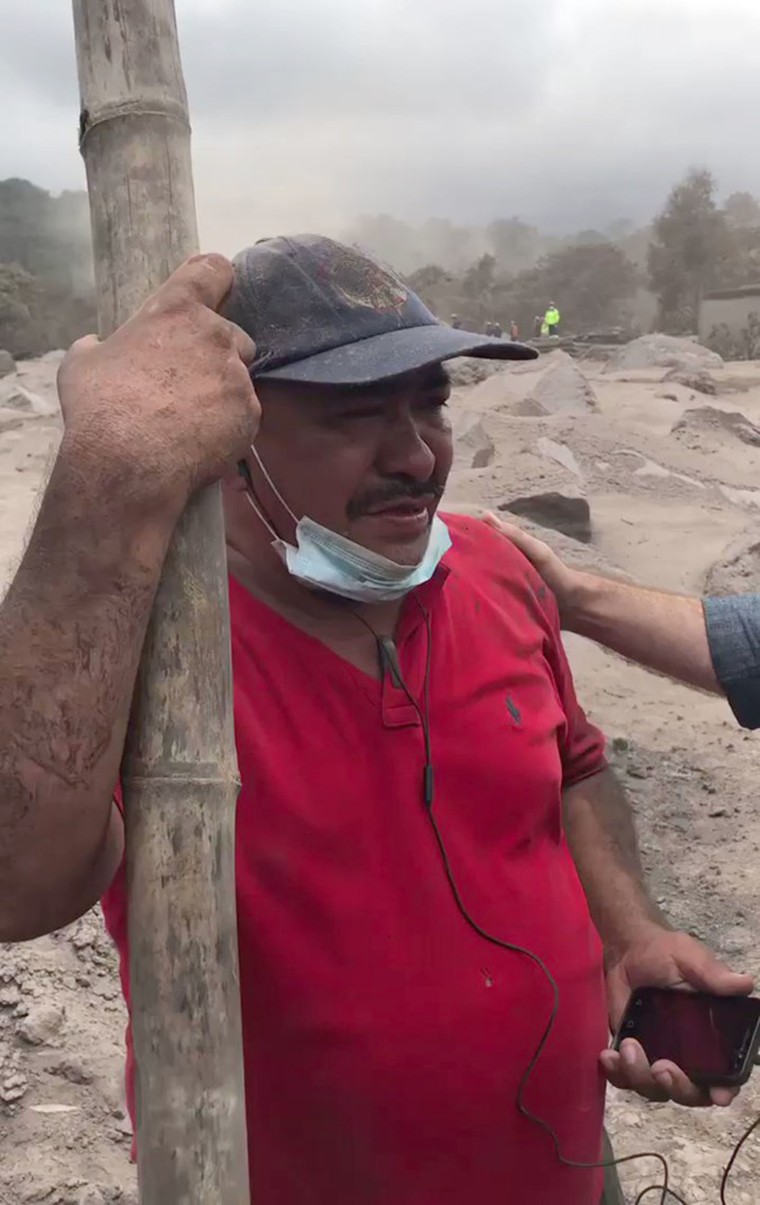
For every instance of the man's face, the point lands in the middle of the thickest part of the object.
(370, 464)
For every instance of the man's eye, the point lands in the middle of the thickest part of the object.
(348, 416)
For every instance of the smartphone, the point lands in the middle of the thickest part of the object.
(713, 1039)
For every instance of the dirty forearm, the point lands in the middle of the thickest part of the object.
(601, 834)
(71, 631)
(665, 632)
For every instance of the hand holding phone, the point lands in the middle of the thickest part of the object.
(713, 1039)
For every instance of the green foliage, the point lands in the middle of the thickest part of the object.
(46, 291)
(742, 265)
(516, 245)
(742, 210)
(19, 296)
(506, 271)
(740, 345)
(49, 236)
(690, 249)
(427, 278)
(509, 269)
(589, 282)
(18, 293)
(479, 279)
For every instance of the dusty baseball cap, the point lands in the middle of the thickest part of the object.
(326, 314)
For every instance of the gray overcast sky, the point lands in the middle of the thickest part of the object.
(306, 112)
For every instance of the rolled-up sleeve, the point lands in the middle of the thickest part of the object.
(733, 631)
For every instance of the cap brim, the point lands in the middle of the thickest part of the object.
(393, 354)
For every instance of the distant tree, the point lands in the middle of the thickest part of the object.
(621, 228)
(46, 285)
(49, 236)
(18, 295)
(516, 245)
(587, 238)
(454, 247)
(388, 238)
(689, 250)
(742, 265)
(742, 210)
(38, 315)
(427, 278)
(409, 248)
(636, 247)
(24, 217)
(479, 279)
(736, 345)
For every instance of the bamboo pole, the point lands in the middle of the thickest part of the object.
(179, 771)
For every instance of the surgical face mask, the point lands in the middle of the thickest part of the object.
(324, 560)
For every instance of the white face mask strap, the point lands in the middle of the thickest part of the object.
(262, 517)
(272, 486)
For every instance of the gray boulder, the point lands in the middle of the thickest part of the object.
(471, 370)
(664, 351)
(560, 454)
(475, 448)
(738, 570)
(570, 515)
(563, 389)
(15, 396)
(709, 419)
(700, 382)
(43, 1024)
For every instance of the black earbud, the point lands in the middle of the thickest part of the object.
(388, 654)
(245, 473)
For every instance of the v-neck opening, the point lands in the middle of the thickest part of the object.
(372, 688)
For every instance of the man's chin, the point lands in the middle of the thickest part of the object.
(398, 539)
(402, 552)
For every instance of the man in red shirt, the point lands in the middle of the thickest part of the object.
(432, 857)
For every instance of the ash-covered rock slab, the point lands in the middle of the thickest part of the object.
(562, 512)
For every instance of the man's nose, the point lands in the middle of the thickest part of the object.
(404, 451)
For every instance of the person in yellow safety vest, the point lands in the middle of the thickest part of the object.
(545, 329)
(551, 318)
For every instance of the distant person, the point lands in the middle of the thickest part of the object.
(514, 331)
(551, 318)
(545, 329)
(456, 322)
(488, 330)
(538, 326)
(496, 330)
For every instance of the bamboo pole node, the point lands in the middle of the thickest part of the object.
(118, 110)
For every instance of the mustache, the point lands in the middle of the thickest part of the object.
(394, 491)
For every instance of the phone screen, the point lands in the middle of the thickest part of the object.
(708, 1037)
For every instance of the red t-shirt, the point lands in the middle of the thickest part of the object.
(384, 1040)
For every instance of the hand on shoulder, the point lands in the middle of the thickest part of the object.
(563, 581)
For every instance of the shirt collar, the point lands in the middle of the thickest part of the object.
(421, 601)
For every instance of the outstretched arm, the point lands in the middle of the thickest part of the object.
(710, 643)
(665, 632)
